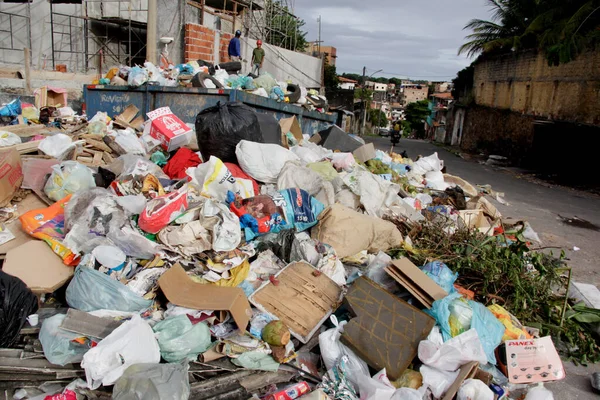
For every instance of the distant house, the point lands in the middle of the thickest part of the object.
(436, 122)
(376, 86)
(440, 87)
(346, 83)
(413, 93)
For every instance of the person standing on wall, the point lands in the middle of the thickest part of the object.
(258, 56)
(234, 47)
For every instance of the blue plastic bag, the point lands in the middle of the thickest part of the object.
(400, 169)
(441, 274)
(489, 329)
(58, 344)
(91, 290)
(178, 339)
(12, 109)
(185, 69)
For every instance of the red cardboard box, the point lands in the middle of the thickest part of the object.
(168, 129)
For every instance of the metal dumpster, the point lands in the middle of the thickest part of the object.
(187, 102)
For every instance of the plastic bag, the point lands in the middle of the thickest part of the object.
(474, 389)
(539, 393)
(153, 382)
(376, 194)
(129, 344)
(178, 339)
(332, 350)
(67, 178)
(226, 230)
(221, 75)
(220, 128)
(426, 164)
(288, 209)
(514, 329)
(137, 76)
(130, 142)
(91, 290)
(162, 210)
(17, 302)
(265, 81)
(12, 109)
(263, 162)
(441, 274)
(305, 154)
(9, 139)
(437, 380)
(130, 164)
(56, 146)
(343, 161)
(58, 344)
(294, 175)
(453, 354)
(215, 180)
(376, 271)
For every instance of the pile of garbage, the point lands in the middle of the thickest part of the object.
(252, 265)
(203, 74)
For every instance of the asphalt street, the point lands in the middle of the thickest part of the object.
(542, 205)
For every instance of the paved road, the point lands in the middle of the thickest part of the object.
(540, 205)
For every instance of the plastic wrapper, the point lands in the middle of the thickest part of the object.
(441, 274)
(17, 302)
(225, 226)
(153, 382)
(214, 180)
(220, 128)
(453, 354)
(376, 271)
(343, 161)
(8, 139)
(263, 162)
(91, 290)
(130, 142)
(59, 345)
(130, 164)
(265, 81)
(288, 209)
(67, 178)
(376, 194)
(336, 384)
(474, 389)
(162, 210)
(178, 339)
(131, 343)
(56, 146)
(137, 76)
(437, 380)
(514, 329)
(294, 175)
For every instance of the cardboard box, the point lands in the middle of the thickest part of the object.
(50, 97)
(129, 119)
(290, 125)
(533, 360)
(475, 219)
(302, 299)
(36, 264)
(182, 291)
(415, 281)
(165, 126)
(386, 331)
(365, 153)
(11, 175)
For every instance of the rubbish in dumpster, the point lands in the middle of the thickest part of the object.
(292, 127)
(276, 333)
(295, 391)
(168, 128)
(178, 339)
(36, 265)
(415, 281)
(11, 175)
(60, 346)
(182, 291)
(305, 309)
(88, 325)
(365, 153)
(153, 382)
(533, 360)
(263, 161)
(17, 302)
(374, 334)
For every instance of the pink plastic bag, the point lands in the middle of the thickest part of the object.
(163, 210)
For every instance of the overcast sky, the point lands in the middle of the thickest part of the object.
(413, 38)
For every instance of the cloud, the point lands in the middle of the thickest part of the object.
(409, 38)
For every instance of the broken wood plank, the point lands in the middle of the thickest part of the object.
(86, 324)
(85, 159)
(110, 142)
(98, 145)
(97, 160)
(108, 159)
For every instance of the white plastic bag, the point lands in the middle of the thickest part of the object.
(130, 142)
(305, 154)
(437, 380)
(68, 177)
(261, 161)
(56, 146)
(474, 389)
(221, 75)
(343, 161)
(435, 180)
(376, 194)
(454, 353)
(227, 234)
(426, 164)
(407, 394)
(294, 175)
(376, 388)
(539, 393)
(332, 350)
(131, 343)
(8, 139)
(214, 180)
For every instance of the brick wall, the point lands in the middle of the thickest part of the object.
(223, 54)
(525, 83)
(199, 43)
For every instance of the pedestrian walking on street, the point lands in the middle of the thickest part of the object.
(234, 47)
(258, 56)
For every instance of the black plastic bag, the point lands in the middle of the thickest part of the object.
(17, 303)
(220, 128)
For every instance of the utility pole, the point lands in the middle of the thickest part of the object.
(364, 104)
(319, 45)
(151, 39)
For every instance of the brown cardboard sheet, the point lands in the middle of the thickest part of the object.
(422, 287)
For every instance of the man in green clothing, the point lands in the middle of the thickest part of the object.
(258, 56)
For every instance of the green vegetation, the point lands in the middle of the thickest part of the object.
(561, 28)
(378, 118)
(284, 29)
(416, 113)
(330, 76)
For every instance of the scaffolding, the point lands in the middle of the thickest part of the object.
(108, 32)
(275, 23)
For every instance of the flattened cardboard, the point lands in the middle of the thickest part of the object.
(290, 125)
(316, 138)
(127, 118)
(36, 264)
(303, 299)
(11, 175)
(88, 325)
(415, 281)
(182, 291)
(533, 361)
(475, 219)
(365, 153)
(386, 331)
(467, 371)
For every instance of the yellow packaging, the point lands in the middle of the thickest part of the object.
(514, 329)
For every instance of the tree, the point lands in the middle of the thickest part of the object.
(416, 113)
(283, 28)
(560, 28)
(395, 81)
(378, 118)
(354, 77)
(331, 78)
(462, 85)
